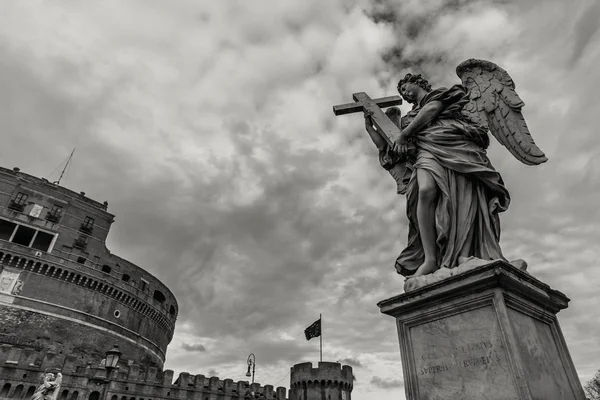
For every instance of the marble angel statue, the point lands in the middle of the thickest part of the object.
(453, 193)
(49, 388)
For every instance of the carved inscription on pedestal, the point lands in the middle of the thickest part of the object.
(461, 357)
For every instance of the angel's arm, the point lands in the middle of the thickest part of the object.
(423, 118)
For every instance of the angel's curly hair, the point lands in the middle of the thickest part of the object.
(417, 80)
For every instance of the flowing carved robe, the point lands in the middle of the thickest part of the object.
(471, 191)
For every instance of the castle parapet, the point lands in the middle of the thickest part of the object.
(131, 380)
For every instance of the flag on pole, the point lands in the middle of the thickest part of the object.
(314, 330)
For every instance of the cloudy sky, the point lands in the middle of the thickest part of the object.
(208, 128)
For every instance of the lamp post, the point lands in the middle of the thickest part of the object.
(111, 362)
(251, 363)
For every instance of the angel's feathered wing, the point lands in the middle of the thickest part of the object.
(496, 105)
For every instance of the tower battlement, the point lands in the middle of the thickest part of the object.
(328, 379)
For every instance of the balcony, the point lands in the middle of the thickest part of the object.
(16, 206)
(53, 218)
(80, 244)
(86, 229)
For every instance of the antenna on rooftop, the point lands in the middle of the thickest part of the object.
(65, 168)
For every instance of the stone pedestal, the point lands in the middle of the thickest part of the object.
(488, 333)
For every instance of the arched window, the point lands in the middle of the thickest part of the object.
(172, 310)
(18, 392)
(159, 296)
(64, 394)
(5, 389)
(114, 397)
(30, 392)
(94, 396)
(74, 395)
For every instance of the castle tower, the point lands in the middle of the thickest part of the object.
(330, 381)
(63, 294)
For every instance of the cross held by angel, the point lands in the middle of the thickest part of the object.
(437, 155)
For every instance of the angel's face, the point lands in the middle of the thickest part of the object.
(409, 91)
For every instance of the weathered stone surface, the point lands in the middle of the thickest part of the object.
(466, 264)
(490, 332)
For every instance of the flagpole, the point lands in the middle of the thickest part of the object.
(321, 336)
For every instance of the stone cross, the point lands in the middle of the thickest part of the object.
(386, 128)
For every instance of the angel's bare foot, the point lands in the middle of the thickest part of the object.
(427, 267)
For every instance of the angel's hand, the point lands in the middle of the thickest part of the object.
(401, 144)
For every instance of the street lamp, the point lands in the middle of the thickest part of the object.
(251, 363)
(111, 362)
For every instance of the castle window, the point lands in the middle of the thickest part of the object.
(74, 395)
(81, 260)
(18, 392)
(54, 214)
(23, 236)
(64, 394)
(5, 389)
(42, 241)
(159, 296)
(172, 310)
(80, 242)
(106, 269)
(125, 278)
(21, 199)
(88, 225)
(143, 284)
(6, 229)
(30, 392)
(19, 202)
(94, 396)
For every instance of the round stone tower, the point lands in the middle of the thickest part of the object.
(63, 294)
(330, 381)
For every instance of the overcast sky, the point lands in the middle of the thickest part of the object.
(208, 128)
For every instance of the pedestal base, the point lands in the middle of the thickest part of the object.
(489, 333)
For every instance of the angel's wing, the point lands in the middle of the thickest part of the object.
(496, 105)
(57, 382)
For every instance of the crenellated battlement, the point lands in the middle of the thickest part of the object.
(330, 380)
(131, 380)
(328, 371)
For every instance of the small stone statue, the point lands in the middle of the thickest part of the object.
(453, 193)
(17, 288)
(49, 388)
